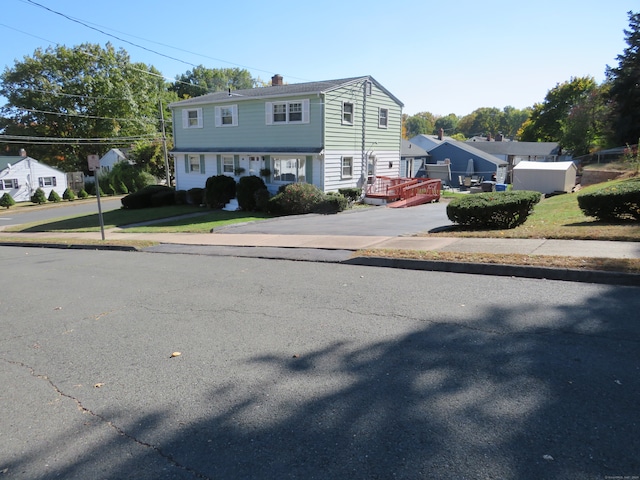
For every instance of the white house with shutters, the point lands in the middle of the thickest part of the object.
(333, 134)
(21, 176)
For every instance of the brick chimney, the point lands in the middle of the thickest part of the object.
(499, 137)
(23, 153)
(276, 80)
(441, 133)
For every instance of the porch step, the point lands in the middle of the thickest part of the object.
(232, 206)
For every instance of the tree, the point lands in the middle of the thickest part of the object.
(587, 127)
(625, 87)
(482, 121)
(149, 155)
(7, 201)
(420, 123)
(84, 92)
(202, 80)
(512, 119)
(548, 119)
(448, 123)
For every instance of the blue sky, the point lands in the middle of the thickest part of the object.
(441, 57)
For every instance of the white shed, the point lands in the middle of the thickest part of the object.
(544, 177)
(21, 176)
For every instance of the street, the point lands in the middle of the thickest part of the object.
(309, 371)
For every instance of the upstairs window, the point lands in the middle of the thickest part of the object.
(227, 116)
(347, 113)
(287, 112)
(383, 117)
(192, 118)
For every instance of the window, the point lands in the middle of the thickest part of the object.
(192, 118)
(347, 113)
(227, 116)
(383, 117)
(287, 112)
(47, 181)
(227, 165)
(289, 170)
(347, 167)
(8, 184)
(193, 164)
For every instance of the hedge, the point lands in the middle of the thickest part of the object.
(620, 201)
(493, 209)
(246, 192)
(220, 189)
(150, 196)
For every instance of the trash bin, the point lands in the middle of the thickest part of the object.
(501, 187)
(488, 186)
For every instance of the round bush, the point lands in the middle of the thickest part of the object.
(298, 198)
(7, 201)
(219, 190)
(69, 195)
(39, 197)
(83, 193)
(246, 192)
(54, 197)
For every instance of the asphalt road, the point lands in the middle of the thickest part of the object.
(309, 371)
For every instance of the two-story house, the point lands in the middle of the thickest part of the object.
(333, 134)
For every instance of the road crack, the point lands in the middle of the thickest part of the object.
(106, 421)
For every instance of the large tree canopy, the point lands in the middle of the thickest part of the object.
(202, 80)
(84, 92)
(625, 87)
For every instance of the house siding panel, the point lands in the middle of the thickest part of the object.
(28, 172)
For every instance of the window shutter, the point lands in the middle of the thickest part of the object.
(218, 117)
(41, 181)
(202, 164)
(219, 164)
(236, 162)
(305, 111)
(15, 183)
(269, 113)
(186, 164)
(55, 183)
(200, 119)
(234, 110)
(185, 119)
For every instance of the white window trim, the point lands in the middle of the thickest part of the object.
(13, 182)
(42, 182)
(234, 116)
(353, 113)
(185, 118)
(342, 160)
(269, 112)
(198, 159)
(224, 161)
(380, 117)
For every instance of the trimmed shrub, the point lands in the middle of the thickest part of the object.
(620, 201)
(219, 190)
(246, 191)
(332, 203)
(353, 194)
(149, 196)
(83, 193)
(261, 198)
(181, 197)
(493, 209)
(54, 197)
(7, 201)
(39, 197)
(298, 198)
(195, 196)
(69, 195)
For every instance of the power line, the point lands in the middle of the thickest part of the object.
(33, 110)
(70, 139)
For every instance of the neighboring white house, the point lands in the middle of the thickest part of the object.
(20, 176)
(113, 156)
(544, 177)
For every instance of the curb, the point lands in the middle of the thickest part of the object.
(66, 246)
(545, 273)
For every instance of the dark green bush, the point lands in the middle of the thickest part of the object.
(353, 194)
(122, 189)
(246, 190)
(332, 203)
(7, 201)
(181, 197)
(493, 209)
(219, 190)
(144, 198)
(297, 198)
(83, 193)
(262, 200)
(69, 195)
(195, 196)
(39, 197)
(620, 201)
(54, 197)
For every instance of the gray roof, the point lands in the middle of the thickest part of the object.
(408, 149)
(278, 91)
(473, 151)
(256, 150)
(5, 161)
(517, 148)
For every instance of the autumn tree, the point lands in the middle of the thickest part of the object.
(70, 95)
(202, 80)
(422, 123)
(625, 87)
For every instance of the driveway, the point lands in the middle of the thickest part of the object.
(375, 221)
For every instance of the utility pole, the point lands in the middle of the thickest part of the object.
(164, 146)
